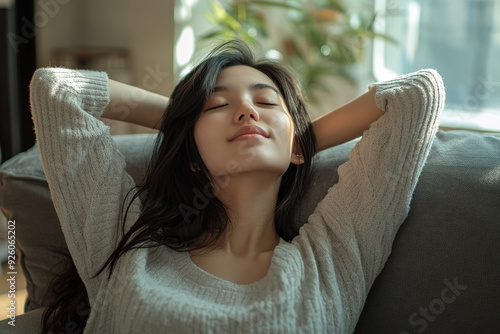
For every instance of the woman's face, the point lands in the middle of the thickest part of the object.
(244, 125)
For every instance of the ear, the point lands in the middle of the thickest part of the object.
(296, 157)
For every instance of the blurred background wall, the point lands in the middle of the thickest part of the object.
(149, 36)
(152, 43)
(131, 40)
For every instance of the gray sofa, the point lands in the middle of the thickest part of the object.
(443, 275)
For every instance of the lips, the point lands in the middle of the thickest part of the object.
(249, 130)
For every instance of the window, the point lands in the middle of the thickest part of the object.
(459, 38)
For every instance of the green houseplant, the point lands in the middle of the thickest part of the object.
(318, 38)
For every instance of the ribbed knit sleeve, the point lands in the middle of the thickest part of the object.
(349, 236)
(84, 170)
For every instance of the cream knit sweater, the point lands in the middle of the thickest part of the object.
(318, 283)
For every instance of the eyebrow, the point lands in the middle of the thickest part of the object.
(255, 86)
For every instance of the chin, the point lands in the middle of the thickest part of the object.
(235, 167)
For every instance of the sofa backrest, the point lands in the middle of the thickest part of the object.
(444, 272)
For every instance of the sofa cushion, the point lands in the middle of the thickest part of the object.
(25, 198)
(443, 274)
(27, 323)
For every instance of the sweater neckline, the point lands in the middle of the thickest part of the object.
(203, 278)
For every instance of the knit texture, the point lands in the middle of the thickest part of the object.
(318, 283)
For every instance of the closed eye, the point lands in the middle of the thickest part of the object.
(267, 103)
(216, 107)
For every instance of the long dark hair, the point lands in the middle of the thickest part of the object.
(170, 216)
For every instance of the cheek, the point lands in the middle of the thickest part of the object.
(282, 125)
(205, 128)
(207, 136)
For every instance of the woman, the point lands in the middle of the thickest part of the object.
(206, 243)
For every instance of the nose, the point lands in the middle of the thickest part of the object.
(245, 112)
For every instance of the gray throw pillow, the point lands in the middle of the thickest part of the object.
(25, 198)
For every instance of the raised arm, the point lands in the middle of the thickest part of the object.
(134, 105)
(347, 122)
(85, 172)
(349, 236)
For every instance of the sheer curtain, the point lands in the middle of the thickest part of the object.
(459, 38)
